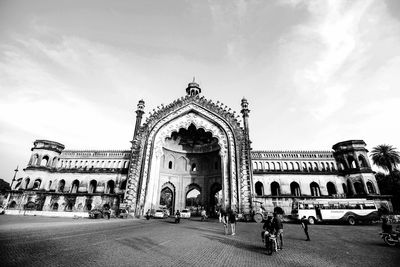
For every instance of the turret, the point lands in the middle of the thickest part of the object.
(352, 160)
(45, 154)
(139, 116)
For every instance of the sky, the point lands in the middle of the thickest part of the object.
(314, 72)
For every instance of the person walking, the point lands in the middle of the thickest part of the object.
(278, 228)
(304, 224)
(232, 221)
(225, 221)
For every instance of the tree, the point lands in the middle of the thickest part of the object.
(386, 157)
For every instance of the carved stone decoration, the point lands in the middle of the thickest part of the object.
(147, 148)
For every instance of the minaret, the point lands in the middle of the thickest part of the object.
(139, 115)
(15, 176)
(193, 89)
(248, 166)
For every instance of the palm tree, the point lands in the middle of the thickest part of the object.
(386, 157)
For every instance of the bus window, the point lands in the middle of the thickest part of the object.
(301, 206)
(358, 206)
(369, 206)
(310, 206)
(342, 205)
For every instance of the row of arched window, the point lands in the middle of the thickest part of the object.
(315, 189)
(45, 161)
(182, 164)
(75, 186)
(70, 164)
(351, 163)
(293, 166)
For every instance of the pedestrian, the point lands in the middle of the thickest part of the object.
(219, 216)
(304, 224)
(232, 221)
(148, 214)
(278, 229)
(225, 221)
(203, 215)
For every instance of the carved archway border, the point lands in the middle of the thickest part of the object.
(230, 148)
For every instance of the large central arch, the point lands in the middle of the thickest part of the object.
(228, 168)
(183, 118)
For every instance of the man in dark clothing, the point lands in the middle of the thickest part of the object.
(304, 224)
(278, 229)
(268, 228)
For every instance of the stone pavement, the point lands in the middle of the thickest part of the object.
(39, 241)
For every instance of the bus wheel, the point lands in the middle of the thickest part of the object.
(311, 220)
(258, 218)
(351, 220)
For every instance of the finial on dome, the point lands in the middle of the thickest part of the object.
(193, 88)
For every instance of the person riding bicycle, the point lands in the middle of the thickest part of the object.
(388, 228)
(268, 229)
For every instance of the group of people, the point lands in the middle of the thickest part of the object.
(273, 226)
(229, 220)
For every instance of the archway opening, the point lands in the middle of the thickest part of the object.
(167, 199)
(191, 161)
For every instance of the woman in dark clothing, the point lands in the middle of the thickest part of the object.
(232, 221)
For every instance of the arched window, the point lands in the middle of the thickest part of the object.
(344, 188)
(291, 166)
(125, 164)
(316, 166)
(12, 205)
(92, 187)
(27, 180)
(332, 166)
(36, 184)
(304, 166)
(371, 188)
(170, 165)
(55, 207)
(35, 159)
(315, 191)
(61, 185)
(75, 186)
(331, 188)
(267, 166)
(255, 165)
(295, 189)
(322, 166)
(359, 188)
(352, 162)
(278, 166)
(285, 166)
(45, 161)
(310, 168)
(259, 189)
(327, 166)
(55, 162)
(349, 188)
(194, 167)
(297, 166)
(272, 166)
(362, 161)
(275, 189)
(110, 187)
(17, 183)
(49, 185)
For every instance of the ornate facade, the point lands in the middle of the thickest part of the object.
(190, 144)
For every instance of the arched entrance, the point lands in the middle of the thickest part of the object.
(167, 199)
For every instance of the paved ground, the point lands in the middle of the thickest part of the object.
(40, 241)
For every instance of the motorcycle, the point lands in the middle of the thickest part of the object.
(390, 239)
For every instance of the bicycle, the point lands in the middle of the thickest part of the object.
(270, 244)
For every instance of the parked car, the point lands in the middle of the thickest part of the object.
(185, 214)
(95, 214)
(159, 214)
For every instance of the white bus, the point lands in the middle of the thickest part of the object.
(345, 210)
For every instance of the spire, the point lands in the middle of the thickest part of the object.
(193, 88)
